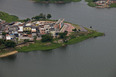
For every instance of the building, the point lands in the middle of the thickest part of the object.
(113, 1)
(59, 24)
(9, 37)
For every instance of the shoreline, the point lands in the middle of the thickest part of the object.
(74, 37)
(38, 46)
(8, 54)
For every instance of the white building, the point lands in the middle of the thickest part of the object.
(9, 37)
(20, 28)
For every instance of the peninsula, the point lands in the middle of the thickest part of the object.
(39, 33)
(102, 3)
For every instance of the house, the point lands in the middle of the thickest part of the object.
(59, 24)
(113, 1)
(20, 28)
(26, 28)
(9, 37)
(33, 29)
(17, 23)
(13, 29)
(53, 32)
(1, 37)
(42, 31)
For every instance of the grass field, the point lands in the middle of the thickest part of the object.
(7, 17)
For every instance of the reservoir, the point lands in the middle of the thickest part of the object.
(94, 57)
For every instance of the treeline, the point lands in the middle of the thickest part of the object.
(41, 16)
(49, 37)
(91, 2)
(6, 44)
(12, 18)
(57, 1)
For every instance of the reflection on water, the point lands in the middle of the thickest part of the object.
(10, 58)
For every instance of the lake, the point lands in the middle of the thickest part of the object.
(91, 58)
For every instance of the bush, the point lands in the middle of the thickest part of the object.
(63, 35)
(10, 43)
(26, 40)
(47, 38)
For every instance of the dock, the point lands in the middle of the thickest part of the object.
(8, 54)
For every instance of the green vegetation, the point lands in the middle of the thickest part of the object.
(47, 42)
(84, 37)
(7, 17)
(77, 37)
(10, 44)
(12, 18)
(47, 38)
(63, 36)
(41, 16)
(49, 16)
(35, 39)
(91, 3)
(39, 46)
(6, 44)
(113, 5)
(56, 1)
(26, 40)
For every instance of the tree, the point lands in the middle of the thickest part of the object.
(38, 17)
(2, 47)
(35, 38)
(17, 40)
(26, 40)
(74, 30)
(47, 38)
(26, 20)
(28, 32)
(49, 16)
(2, 41)
(10, 43)
(4, 35)
(63, 36)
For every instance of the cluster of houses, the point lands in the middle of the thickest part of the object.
(105, 3)
(22, 30)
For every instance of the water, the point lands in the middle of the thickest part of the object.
(90, 58)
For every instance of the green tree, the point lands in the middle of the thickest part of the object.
(10, 43)
(26, 20)
(49, 16)
(63, 36)
(17, 40)
(2, 41)
(2, 47)
(35, 38)
(36, 18)
(4, 35)
(47, 38)
(74, 30)
(26, 40)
